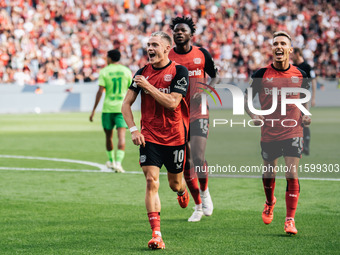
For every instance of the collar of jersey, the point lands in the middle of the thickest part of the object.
(280, 70)
(155, 68)
(184, 52)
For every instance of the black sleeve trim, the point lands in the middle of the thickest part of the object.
(180, 82)
(256, 80)
(209, 66)
(133, 86)
(306, 82)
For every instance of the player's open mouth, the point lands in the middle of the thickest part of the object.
(279, 53)
(152, 55)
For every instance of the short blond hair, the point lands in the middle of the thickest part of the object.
(282, 33)
(163, 35)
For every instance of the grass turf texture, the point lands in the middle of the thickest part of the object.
(104, 213)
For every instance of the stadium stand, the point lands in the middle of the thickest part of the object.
(65, 41)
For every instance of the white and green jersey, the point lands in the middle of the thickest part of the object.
(116, 79)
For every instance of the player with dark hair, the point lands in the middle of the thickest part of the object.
(164, 123)
(114, 79)
(304, 66)
(199, 63)
(276, 139)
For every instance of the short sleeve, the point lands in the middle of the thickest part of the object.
(101, 80)
(255, 81)
(133, 85)
(209, 66)
(180, 82)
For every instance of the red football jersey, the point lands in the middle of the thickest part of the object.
(198, 61)
(263, 82)
(158, 124)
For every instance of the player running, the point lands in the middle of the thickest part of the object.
(115, 79)
(164, 123)
(276, 139)
(304, 66)
(199, 62)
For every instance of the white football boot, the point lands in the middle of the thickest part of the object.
(207, 203)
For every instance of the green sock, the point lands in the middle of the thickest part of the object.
(111, 155)
(120, 156)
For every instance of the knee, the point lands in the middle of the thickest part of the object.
(151, 184)
(175, 185)
(199, 161)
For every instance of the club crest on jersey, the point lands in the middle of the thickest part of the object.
(197, 61)
(168, 77)
(295, 79)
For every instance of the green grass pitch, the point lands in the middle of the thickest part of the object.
(50, 212)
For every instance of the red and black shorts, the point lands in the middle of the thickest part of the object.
(172, 157)
(288, 148)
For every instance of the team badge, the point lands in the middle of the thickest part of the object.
(295, 79)
(168, 77)
(142, 158)
(197, 61)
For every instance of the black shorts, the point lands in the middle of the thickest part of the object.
(173, 157)
(199, 127)
(288, 148)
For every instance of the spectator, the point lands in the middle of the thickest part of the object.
(53, 36)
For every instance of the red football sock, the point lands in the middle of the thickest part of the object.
(192, 183)
(269, 187)
(292, 197)
(203, 177)
(155, 221)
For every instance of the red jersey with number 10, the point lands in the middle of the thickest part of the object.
(158, 124)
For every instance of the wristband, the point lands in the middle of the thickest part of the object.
(133, 129)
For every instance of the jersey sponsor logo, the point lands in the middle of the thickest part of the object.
(270, 79)
(197, 61)
(295, 79)
(168, 77)
(268, 91)
(195, 72)
(165, 90)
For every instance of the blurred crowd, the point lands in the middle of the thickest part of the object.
(65, 41)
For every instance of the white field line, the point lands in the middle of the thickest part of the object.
(103, 169)
(100, 166)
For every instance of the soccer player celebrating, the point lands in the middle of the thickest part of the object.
(304, 66)
(199, 62)
(115, 79)
(164, 123)
(278, 139)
